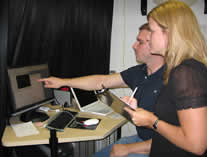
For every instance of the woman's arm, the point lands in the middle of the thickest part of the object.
(191, 135)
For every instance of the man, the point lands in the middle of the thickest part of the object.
(147, 77)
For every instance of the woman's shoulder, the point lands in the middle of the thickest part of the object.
(191, 62)
(190, 65)
(190, 68)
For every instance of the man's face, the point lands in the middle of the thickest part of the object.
(142, 47)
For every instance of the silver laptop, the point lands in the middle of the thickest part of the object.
(87, 102)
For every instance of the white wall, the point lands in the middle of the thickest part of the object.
(126, 20)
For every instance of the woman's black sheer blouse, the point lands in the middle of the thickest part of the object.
(186, 88)
(188, 83)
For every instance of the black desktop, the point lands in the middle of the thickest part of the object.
(27, 94)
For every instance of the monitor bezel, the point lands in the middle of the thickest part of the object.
(31, 106)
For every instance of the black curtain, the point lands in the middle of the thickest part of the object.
(3, 66)
(86, 39)
(73, 36)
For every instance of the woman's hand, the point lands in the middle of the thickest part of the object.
(140, 117)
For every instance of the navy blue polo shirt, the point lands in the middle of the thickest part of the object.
(148, 90)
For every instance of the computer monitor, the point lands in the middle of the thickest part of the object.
(27, 94)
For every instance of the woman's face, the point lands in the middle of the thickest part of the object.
(158, 39)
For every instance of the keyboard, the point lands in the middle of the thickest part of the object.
(61, 120)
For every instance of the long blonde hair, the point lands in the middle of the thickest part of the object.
(185, 39)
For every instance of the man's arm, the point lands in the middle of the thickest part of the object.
(119, 150)
(92, 82)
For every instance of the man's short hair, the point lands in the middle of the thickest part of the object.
(144, 27)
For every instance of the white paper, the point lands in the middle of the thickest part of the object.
(24, 129)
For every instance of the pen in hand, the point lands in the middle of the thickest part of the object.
(132, 95)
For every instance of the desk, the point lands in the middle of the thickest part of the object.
(104, 129)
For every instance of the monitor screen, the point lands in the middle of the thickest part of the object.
(85, 97)
(28, 94)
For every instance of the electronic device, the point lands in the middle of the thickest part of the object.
(44, 108)
(87, 101)
(106, 96)
(91, 122)
(115, 103)
(27, 94)
(63, 98)
(61, 120)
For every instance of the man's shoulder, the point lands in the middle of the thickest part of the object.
(137, 70)
(138, 67)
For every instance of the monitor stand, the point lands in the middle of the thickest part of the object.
(34, 116)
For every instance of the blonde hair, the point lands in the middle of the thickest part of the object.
(185, 39)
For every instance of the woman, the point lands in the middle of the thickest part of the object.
(180, 118)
